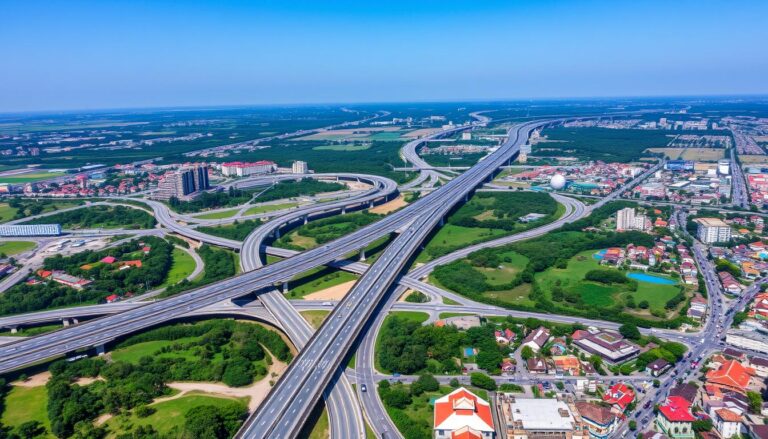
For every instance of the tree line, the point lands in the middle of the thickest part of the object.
(100, 216)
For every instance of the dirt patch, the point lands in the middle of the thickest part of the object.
(36, 380)
(336, 292)
(407, 293)
(356, 185)
(390, 206)
(84, 381)
(102, 419)
(256, 392)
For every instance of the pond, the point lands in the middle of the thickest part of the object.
(644, 277)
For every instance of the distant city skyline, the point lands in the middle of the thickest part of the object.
(84, 55)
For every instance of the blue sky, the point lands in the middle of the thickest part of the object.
(116, 54)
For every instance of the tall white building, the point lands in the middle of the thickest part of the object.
(712, 230)
(628, 219)
(299, 167)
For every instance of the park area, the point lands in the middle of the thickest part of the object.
(10, 248)
(694, 154)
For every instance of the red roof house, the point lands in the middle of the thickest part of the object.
(731, 375)
(461, 411)
(619, 396)
(108, 259)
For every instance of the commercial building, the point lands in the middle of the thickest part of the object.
(243, 169)
(30, 230)
(730, 376)
(724, 167)
(712, 230)
(461, 413)
(679, 165)
(609, 345)
(299, 167)
(528, 418)
(752, 340)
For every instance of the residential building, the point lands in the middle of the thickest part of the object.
(536, 339)
(463, 412)
(567, 365)
(609, 345)
(760, 366)
(183, 183)
(68, 280)
(675, 418)
(727, 422)
(528, 418)
(30, 230)
(731, 375)
(657, 367)
(299, 167)
(600, 421)
(712, 230)
(536, 365)
(627, 219)
(619, 396)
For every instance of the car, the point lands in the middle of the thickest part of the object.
(363, 388)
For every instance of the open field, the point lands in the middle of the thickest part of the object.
(269, 208)
(390, 206)
(23, 404)
(318, 279)
(29, 177)
(343, 147)
(168, 418)
(315, 317)
(183, 266)
(352, 134)
(218, 215)
(753, 159)
(695, 154)
(8, 213)
(10, 248)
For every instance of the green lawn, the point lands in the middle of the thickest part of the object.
(342, 147)
(11, 248)
(134, 353)
(269, 208)
(31, 331)
(183, 266)
(456, 237)
(599, 295)
(169, 416)
(507, 271)
(218, 215)
(29, 177)
(6, 212)
(315, 317)
(317, 279)
(322, 427)
(24, 404)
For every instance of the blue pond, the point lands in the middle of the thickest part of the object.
(643, 277)
(599, 255)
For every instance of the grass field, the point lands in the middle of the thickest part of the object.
(315, 317)
(343, 147)
(318, 279)
(169, 416)
(31, 331)
(269, 208)
(218, 215)
(695, 154)
(11, 248)
(7, 212)
(183, 266)
(134, 353)
(29, 177)
(322, 428)
(600, 295)
(457, 237)
(23, 404)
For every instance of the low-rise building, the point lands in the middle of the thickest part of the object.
(600, 421)
(619, 397)
(536, 339)
(675, 418)
(727, 422)
(609, 345)
(528, 418)
(30, 230)
(731, 376)
(657, 367)
(70, 281)
(752, 340)
(463, 412)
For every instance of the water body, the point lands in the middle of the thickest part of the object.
(643, 277)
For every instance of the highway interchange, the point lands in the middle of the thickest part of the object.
(320, 361)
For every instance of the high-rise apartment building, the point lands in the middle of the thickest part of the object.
(299, 167)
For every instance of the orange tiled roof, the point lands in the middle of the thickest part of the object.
(731, 374)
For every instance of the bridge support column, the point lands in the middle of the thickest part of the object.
(343, 210)
(277, 233)
(75, 321)
(285, 288)
(100, 350)
(442, 221)
(65, 322)
(14, 329)
(306, 219)
(362, 255)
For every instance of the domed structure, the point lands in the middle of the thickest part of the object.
(557, 182)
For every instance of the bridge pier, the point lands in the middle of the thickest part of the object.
(100, 350)
(75, 321)
(362, 255)
(306, 219)
(14, 329)
(277, 233)
(65, 322)
(343, 210)
(285, 288)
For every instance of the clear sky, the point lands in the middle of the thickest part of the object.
(115, 54)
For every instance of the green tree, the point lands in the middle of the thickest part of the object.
(630, 331)
(755, 401)
(527, 353)
(482, 381)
